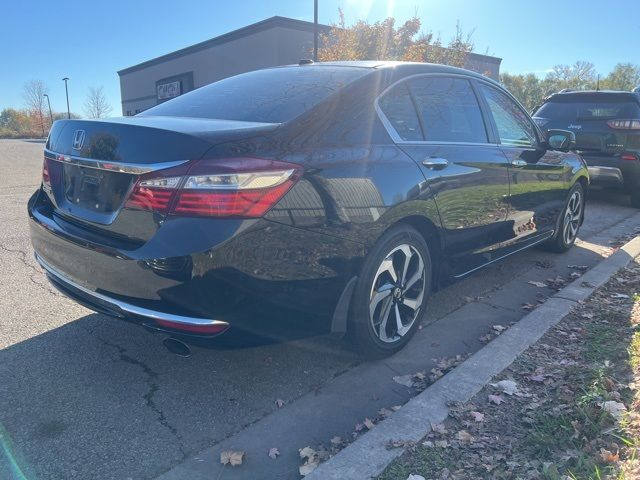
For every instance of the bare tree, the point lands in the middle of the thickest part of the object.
(96, 104)
(33, 96)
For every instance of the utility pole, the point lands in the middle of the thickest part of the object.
(66, 89)
(315, 30)
(50, 113)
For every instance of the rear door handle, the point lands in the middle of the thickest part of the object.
(518, 163)
(435, 163)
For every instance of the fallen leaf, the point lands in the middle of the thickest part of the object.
(497, 399)
(499, 328)
(369, 424)
(415, 477)
(506, 386)
(464, 436)
(307, 452)
(439, 428)
(308, 467)
(537, 284)
(233, 458)
(619, 295)
(273, 453)
(336, 440)
(279, 402)
(477, 416)
(609, 457)
(441, 443)
(406, 380)
(616, 409)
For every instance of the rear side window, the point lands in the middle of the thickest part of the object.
(573, 108)
(270, 96)
(397, 106)
(514, 126)
(449, 110)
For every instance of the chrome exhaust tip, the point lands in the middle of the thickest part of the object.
(177, 347)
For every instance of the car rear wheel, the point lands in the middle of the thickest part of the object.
(391, 293)
(570, 221)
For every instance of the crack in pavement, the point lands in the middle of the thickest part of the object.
(151, 376)
(22, 256)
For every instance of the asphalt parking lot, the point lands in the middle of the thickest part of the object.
(84, 396)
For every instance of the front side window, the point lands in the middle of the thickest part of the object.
(397, 106)
(514, 127)
(449, 110)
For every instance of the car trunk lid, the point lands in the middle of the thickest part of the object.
(93, 165)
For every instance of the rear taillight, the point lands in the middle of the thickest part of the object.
(242, 187)
(624, 124)
(629, 156)
(45, 172)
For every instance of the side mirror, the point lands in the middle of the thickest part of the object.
(561, 140)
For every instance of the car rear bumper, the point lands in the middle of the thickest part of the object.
(259, 276)
(120, 309)
(606, 176)
(613, 172)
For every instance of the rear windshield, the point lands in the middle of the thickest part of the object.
(575, 108)
(271, 96)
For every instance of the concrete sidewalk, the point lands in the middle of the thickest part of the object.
(369, 455)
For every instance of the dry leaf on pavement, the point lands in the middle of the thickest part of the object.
(369, 424)
(274, 452)
(537, 284)
(279, 402)
(231, 457)
(497, 399)
(311, 463)
(415, 477)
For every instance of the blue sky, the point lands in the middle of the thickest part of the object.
(89, 41)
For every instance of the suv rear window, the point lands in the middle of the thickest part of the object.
(273, 95)
(581, 108)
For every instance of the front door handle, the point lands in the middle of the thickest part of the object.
(518, 163)
(435, 163)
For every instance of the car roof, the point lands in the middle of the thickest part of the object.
(413, 68)
(619, 94)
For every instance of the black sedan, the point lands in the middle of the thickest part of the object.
(335, 194)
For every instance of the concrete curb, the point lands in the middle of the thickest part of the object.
(368, 456)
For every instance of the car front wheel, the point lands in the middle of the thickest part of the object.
(391, 294)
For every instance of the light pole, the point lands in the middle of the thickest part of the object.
(315, 30)
(66, 89)
(49, 103)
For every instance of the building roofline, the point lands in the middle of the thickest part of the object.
(271, 22)
(486, 58)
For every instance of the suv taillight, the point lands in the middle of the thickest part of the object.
(237, 187)
(45, 172)
(624, 124)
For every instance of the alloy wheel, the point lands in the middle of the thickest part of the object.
(397, 293)
(572, 217)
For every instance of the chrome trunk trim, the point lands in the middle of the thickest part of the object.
(111, 165)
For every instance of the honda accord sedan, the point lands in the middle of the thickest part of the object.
(337, 194)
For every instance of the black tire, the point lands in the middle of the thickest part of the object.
(387, 254)
(559, 243)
